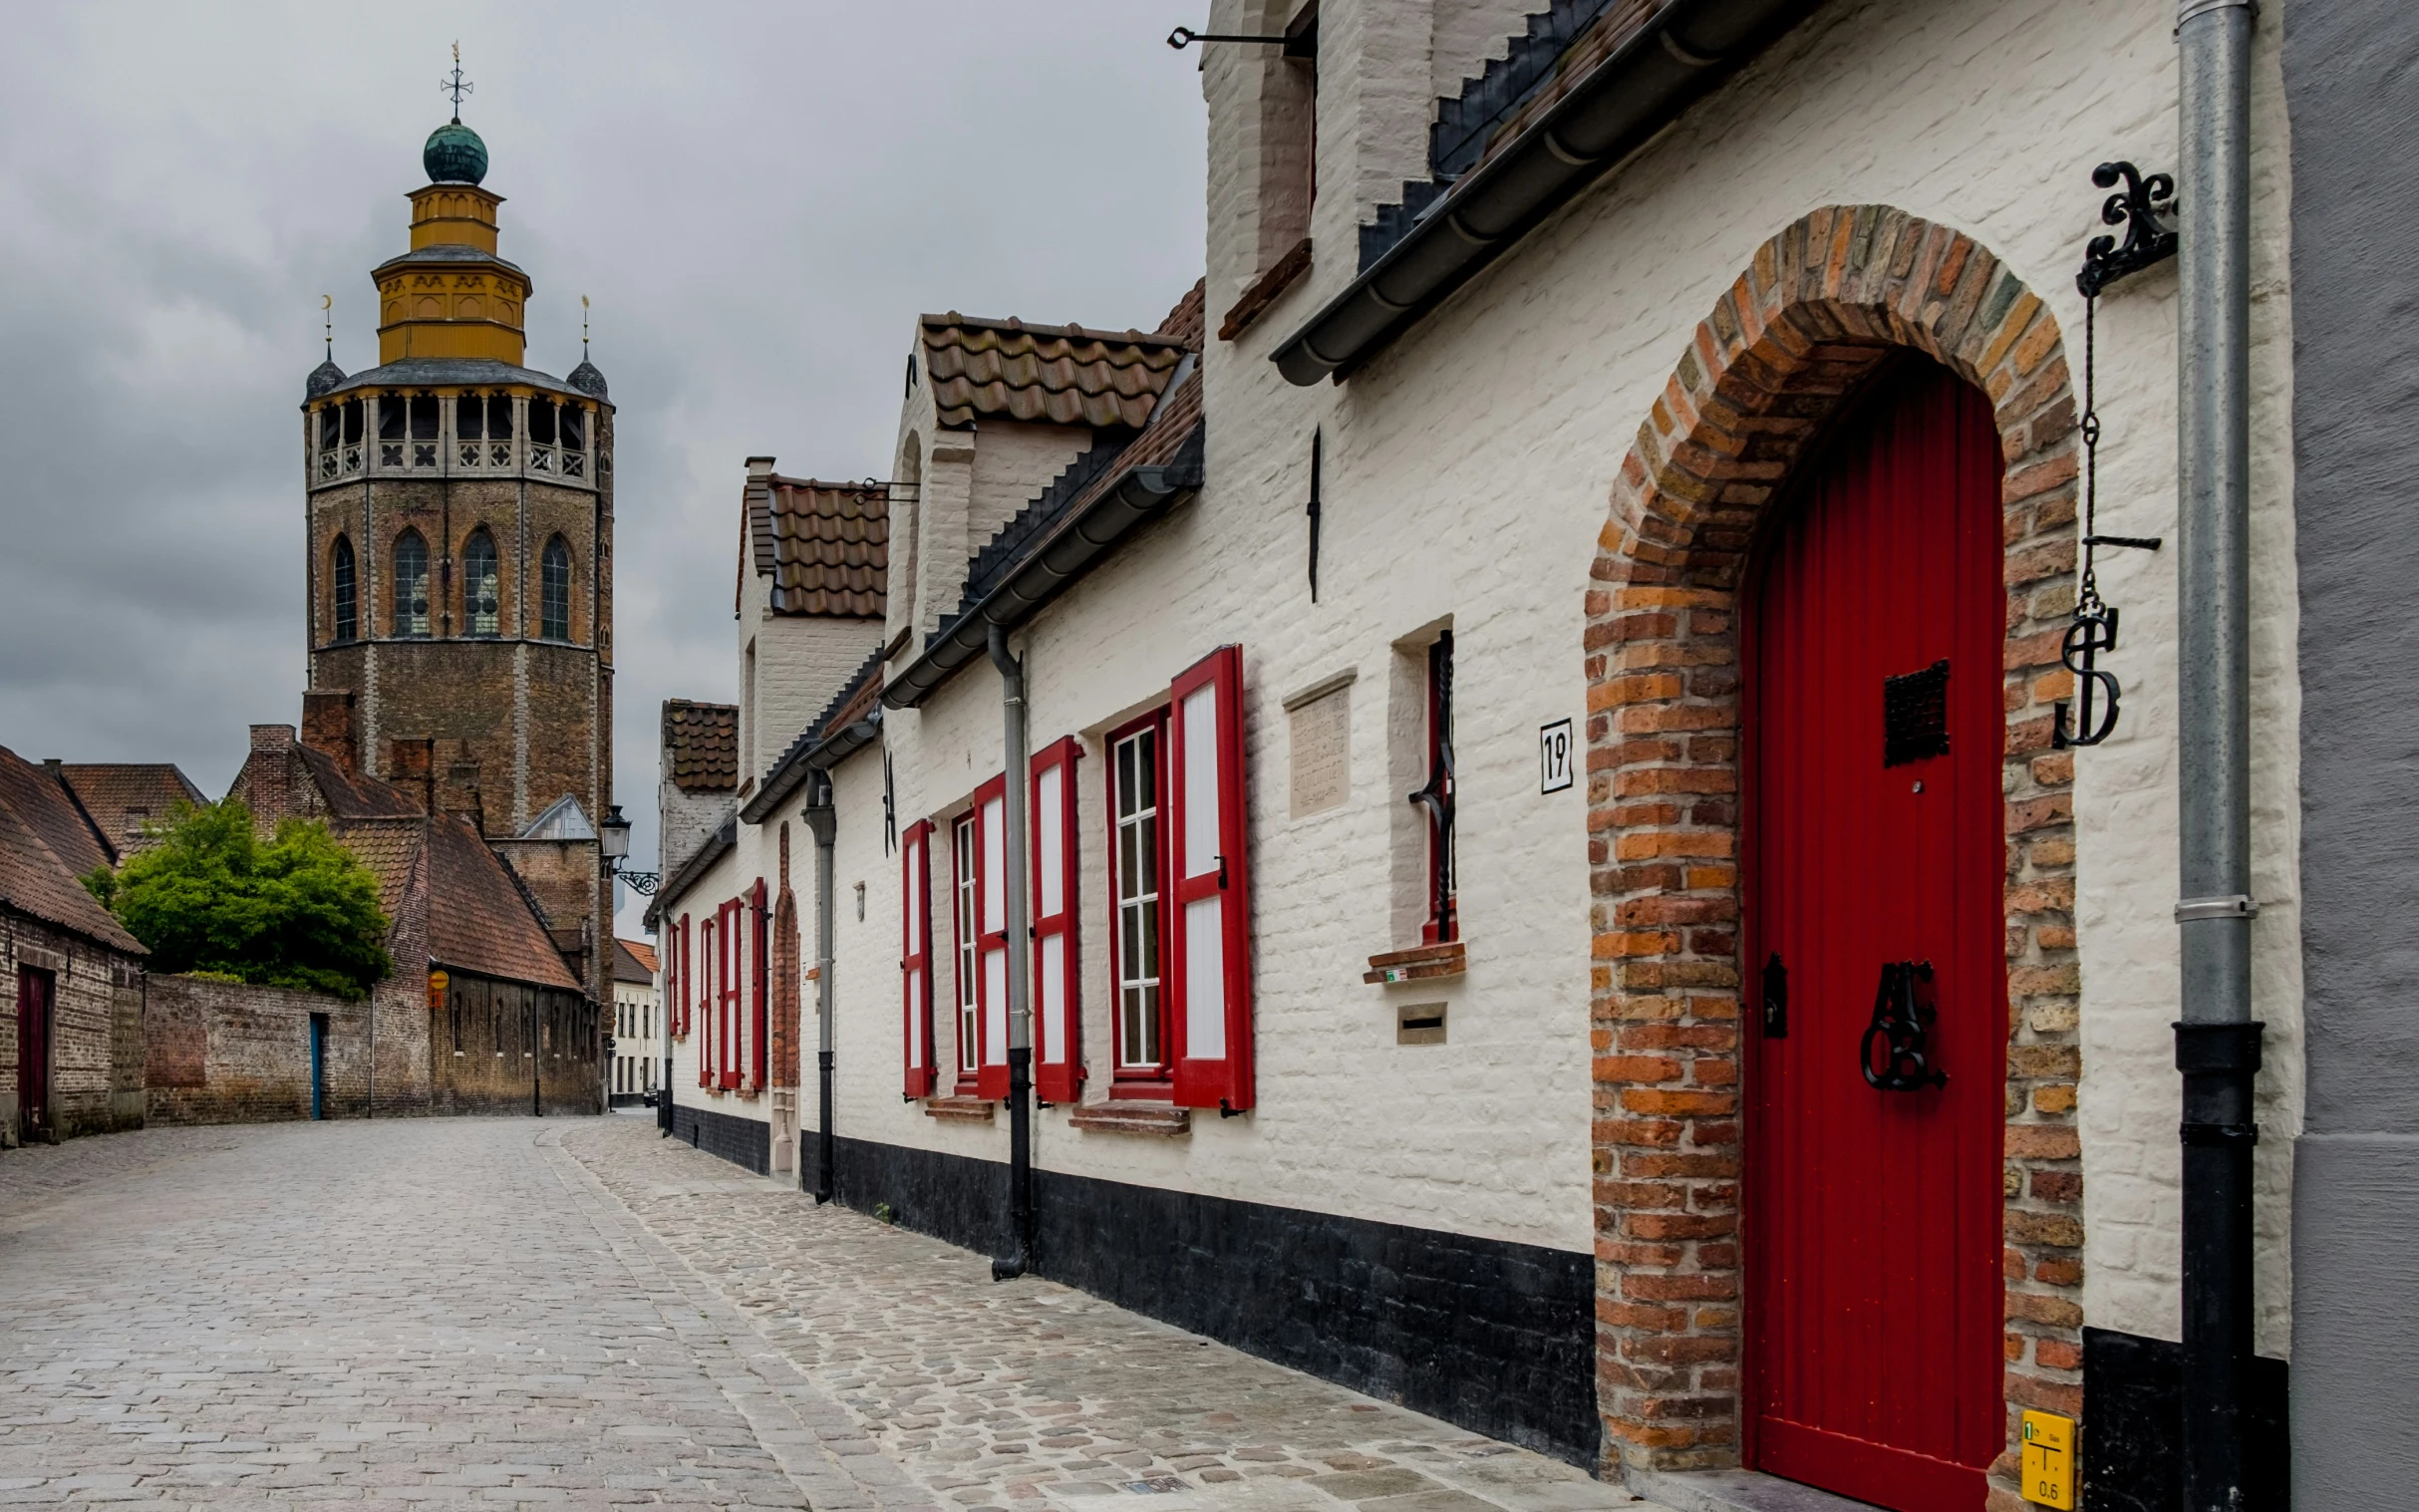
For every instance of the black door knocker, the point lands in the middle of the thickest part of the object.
(1902, 1015)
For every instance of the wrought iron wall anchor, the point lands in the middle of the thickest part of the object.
(2137, 207)
(1902, 1015)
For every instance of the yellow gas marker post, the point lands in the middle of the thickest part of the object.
(2049, 1460)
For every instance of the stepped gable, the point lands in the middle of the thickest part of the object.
(35, 878)
(1561, 45)
(480, 917)
(1054, 375)
(825, 545)
(701, 746)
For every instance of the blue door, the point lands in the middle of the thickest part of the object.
(319, 1066)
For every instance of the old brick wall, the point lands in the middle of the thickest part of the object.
(255, 1060)
(96, 1082)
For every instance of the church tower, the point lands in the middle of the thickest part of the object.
(461, 558)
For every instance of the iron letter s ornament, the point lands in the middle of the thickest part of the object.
(1903, 1015)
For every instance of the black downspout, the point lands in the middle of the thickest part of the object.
(823, 822)
(1020, 1002)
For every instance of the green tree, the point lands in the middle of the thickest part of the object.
(298, 911)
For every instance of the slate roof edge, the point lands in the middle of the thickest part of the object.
(1679, 54)
(1088, 532)
(724, 840)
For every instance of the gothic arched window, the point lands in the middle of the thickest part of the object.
(346, 593)
(411, 584)
(554, 598)
(479, 584)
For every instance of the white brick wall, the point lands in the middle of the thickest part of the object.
(1467, 473)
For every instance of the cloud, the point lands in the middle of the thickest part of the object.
(759, 200)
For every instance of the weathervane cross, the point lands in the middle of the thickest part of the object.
(456, 84)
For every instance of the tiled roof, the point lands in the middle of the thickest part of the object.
(45, 807)
(479, 919)
(35, 878)
(633, 961)
(1188, 322)
(389, 848)
(1057, 375)
(353, 794)
(123, 797)
(825, 545)
(701, 746)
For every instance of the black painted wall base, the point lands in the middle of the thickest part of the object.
(742, 1142)
(1495, 1337)
(2133, 1459)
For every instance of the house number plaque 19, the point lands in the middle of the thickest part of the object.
(1553, 756)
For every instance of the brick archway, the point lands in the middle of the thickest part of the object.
(1820, 307)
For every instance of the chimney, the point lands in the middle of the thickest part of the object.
(272, 740)
(412, 766)
(327, 726)
(460, 794)
(760, 469)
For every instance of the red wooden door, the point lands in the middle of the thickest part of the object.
(1873, 1223)
(33, 1051)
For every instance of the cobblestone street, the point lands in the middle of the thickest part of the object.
(575, 1313)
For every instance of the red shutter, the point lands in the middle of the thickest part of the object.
(726, 1031)
(759, 936)
(1209, 923)
(991, 939)
(915, 955)
(705, 1041)
(1057, 1038)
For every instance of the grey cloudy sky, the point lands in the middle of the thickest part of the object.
(758, 199)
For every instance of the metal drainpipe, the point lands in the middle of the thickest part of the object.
(1020, 1004)
(821, 819)
(2217, 1042)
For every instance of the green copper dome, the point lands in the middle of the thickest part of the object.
(454, 155)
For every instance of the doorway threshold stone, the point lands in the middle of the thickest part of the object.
(1734, 1491)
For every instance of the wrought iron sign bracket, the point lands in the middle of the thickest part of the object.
(644, 883)
(2138, 206)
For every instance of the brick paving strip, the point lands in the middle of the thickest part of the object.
(575, 1314)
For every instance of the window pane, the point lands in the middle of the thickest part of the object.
(1147, 959)
(479, 585)
(554, 592)
(411, 585)
(348, 608)
(1146, 746)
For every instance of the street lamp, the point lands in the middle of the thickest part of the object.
(615, 832)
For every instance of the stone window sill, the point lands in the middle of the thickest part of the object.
(1156, 1120)
(1424, 963)
(959, 1110)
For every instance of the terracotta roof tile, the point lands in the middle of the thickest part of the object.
(826, 545)
(479, 919)
(1188, 322)
(1056, 375)
(33, 877)
(124, 797)
(389, 848)
(633, 961)
(701, 746)
(46, 807)
(353, 794)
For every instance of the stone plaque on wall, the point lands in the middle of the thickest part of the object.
(1322, 750)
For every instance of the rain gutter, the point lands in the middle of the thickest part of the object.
(1678, 55)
